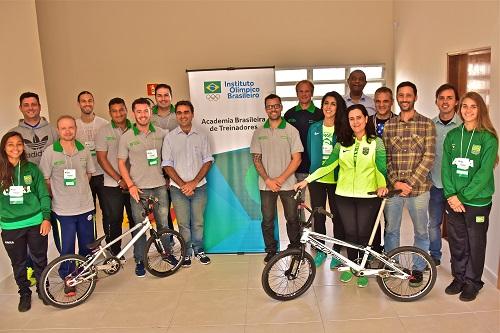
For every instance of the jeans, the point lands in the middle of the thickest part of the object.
(114, 201)
(268, 201)
(437, 203)
(300, 177)
(417, 207)
(189, 212)
(160, 212)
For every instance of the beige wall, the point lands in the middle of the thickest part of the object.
(426, 31)
(20, 60)
(20, 71)
(116, 48)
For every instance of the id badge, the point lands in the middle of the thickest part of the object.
(327, 149)
(463, 164)
(16, 195)
(69, 177)
(91, 146)
(152, 156)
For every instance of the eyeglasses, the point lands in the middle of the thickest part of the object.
(274, 106)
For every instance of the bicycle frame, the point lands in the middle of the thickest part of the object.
(313, 238)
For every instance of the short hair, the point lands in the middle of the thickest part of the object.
(85, 92)
(185, 103)
(28, 94)
(65, 116)
(271, 96)
(447, 86)
(116, 100)
(140, 100)
(163, 85)
(385, 90)
(311, 85)
(407, 84)
(356, 71)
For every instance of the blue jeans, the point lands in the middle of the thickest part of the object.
(160, 213)
(417, 207)
(189, 212)
(437, 203)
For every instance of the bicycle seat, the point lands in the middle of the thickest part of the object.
(95, 243)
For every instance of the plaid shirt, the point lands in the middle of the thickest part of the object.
(410, 150)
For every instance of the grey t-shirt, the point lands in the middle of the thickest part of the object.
(85, 133)
(276, 146)
(136, 146)
(168, 122)
(68, 197)
(107, 139)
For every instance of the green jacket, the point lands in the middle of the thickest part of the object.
(363, 168)
(36, 199)
(476, 186)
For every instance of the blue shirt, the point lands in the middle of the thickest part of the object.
(367, 101)
(186, 153)
(441, 131)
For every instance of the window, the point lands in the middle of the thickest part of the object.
(325, 79)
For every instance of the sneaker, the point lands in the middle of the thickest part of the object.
(186, 262)
(346, 276)
(469, 293)
(416, 278)
(30, 276)
(362, 282)
(24, 303)
(437, 261)
(320, 258)
(334, 263)
(202, 257)
(269, 256)
(139, 269)
(171, 259)
(41, 298)
(454, 288)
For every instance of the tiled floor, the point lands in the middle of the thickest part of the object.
(227, 296)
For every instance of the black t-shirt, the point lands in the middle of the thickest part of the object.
(301, 120)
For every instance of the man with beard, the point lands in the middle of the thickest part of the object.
(276, 150)
(410, 142)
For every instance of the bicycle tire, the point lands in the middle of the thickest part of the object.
(402, 290)
(167, 263)
(52, 285)
(277, 281)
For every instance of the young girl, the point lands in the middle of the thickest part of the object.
(321, 139)
(469, 156)
(361, 157)
(24, 213)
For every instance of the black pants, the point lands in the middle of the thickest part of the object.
(97, 187)
(467, 240)
(268, 205)
(358, 216)
(16, 243)
(319, 193)
(114, 200)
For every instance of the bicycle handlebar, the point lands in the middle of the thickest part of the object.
(389, 194)
(148, 202)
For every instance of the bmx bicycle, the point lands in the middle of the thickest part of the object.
(69, 280)
(405, 274)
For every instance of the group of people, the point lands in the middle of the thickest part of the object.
(50, 178)
(355, 145)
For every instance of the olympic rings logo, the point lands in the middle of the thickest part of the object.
(212, 97)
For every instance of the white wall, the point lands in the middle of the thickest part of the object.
(20, 71)
(425, 31)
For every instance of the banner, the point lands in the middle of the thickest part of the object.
(229, 106)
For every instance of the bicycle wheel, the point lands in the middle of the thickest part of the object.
(287, 276)
(55, 279)
(163, 255)
(413, 261)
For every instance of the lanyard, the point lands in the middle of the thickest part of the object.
(18, 175)
(462, 139)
